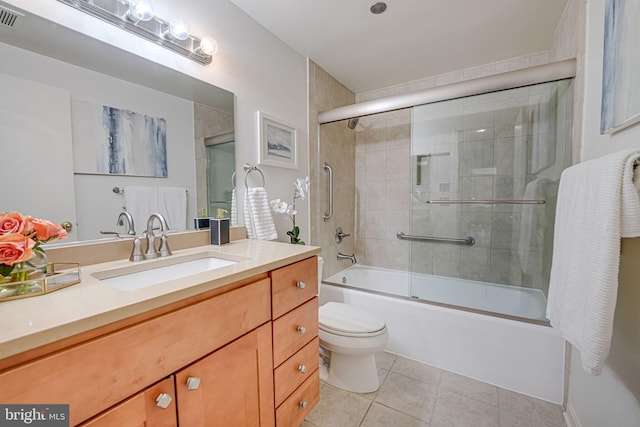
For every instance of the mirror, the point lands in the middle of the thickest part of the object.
(54, 80)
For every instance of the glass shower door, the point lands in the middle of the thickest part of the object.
(485, 172)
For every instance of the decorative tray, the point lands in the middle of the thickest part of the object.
(58, 275)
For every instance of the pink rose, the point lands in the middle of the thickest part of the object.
(15, 248)
(46, 230)
(12, 222)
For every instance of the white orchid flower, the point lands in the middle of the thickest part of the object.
(290, 211)
(279, 206)
(302, 186)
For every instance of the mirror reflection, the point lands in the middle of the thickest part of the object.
(88, 130)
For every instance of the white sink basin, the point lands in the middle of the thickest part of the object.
(144, 275)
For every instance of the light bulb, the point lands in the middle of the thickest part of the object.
(208, 46)
(178, 29)
(140, 10)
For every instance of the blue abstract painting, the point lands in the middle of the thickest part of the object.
(115, 141)
(137, 144)
(621, 64)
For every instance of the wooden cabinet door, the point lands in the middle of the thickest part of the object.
(141, 410)
(231, 387)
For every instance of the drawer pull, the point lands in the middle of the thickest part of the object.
(193, 383)
(300, 284)
(302, 369)
(303, 404)
(163, 400)
(301, 329)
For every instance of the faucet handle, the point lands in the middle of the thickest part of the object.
(340, 235)
(136, 251)
(164, 250)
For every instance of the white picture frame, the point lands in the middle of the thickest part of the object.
(621, 63)
(278, 142)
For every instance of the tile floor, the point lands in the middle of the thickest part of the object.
(412, 394)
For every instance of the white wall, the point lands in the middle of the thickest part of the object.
(613, 398)
(263, 72)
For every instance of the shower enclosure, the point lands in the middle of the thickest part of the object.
(484, 172)
(459, 195)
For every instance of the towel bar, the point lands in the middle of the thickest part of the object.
(120, 190)
(485, 202)
(466, 241)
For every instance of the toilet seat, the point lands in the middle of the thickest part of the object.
(349, 321)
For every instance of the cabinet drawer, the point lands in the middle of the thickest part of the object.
(293, 411)
(293, 330)
(141, 409)
(122, 363)
(296, 370)
(287, 289)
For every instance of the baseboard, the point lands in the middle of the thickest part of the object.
(570, 416)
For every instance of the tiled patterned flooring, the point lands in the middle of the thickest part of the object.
(412, 394)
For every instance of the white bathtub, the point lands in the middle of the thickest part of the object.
(519, 356)
(490, 297)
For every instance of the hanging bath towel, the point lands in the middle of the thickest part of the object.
(172, 203)
(257, 215)
(140, 202)
(598, 204)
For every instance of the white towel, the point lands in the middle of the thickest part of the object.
(257, 215)
(172, 204)
(234, 208)
(597, 205)
(140, 202)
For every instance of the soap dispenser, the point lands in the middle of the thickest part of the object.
(219, 228)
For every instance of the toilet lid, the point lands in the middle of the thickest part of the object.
(345, 318)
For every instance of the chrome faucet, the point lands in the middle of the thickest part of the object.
(125, 218)
(163, 250)
(350, 257)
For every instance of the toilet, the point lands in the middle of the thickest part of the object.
(349, 338)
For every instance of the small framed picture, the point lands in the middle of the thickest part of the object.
(277, 142)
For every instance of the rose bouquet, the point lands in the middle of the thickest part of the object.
(21, 239)
(279, 206)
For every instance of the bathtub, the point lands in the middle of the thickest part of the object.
(516, 355)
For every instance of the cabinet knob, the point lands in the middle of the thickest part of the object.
(163, 400)
(303, 404)
(302, 369)
(300, 284)
(301, 329)
(193, 383)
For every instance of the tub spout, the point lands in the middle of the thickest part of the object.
(350, 257)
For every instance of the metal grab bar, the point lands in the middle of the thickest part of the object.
(466, 241)
(329, 214)
(486, 202)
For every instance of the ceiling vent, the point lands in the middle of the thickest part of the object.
(9, 18)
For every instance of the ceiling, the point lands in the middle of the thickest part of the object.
(412, 39)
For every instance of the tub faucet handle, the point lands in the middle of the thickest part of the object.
(340, 235)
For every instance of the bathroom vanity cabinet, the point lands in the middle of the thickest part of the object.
(242, 355)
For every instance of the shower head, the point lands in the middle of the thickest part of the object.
(351, 124)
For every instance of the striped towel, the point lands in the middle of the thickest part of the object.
(257, 215)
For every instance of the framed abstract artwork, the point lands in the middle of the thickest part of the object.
(114, 141)
(278, 145)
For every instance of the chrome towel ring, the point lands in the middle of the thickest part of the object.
(248, 169)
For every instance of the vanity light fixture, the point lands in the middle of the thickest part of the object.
(137, 17)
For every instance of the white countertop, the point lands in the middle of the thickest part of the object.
(31, 322)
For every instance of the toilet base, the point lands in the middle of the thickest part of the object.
(357, 374)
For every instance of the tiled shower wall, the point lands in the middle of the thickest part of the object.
(384, 194)
(337, 149)
(510, 145)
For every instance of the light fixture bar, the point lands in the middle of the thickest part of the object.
(114, 12)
